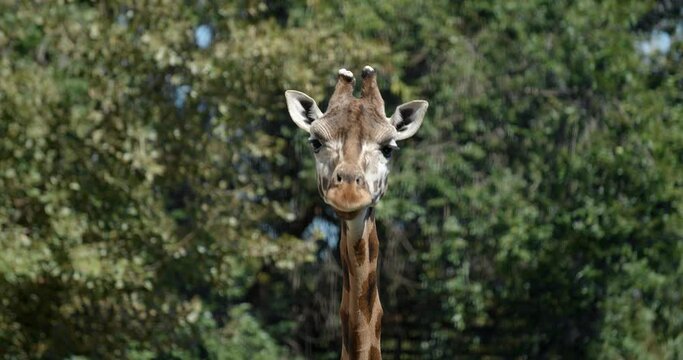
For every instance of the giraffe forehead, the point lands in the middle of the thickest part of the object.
(354, 123)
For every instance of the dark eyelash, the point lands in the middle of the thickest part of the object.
(315, 144)
(387, 150)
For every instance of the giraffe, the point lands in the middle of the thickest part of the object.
(352, 143)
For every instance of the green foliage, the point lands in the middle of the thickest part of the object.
(240, 338)
(154, 192)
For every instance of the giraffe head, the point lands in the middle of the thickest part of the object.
(353, 140)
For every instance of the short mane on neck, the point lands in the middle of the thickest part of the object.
(361, 310)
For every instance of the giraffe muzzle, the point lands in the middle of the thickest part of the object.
(342, 177)
(349, 191)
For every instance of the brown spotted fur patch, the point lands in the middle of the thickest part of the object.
(366, 300)
(344, 316)
(373, 247)
(375, 354)
(359, 250)
(378, 326)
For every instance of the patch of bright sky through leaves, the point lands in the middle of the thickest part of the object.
(203, 37)
(660, 41)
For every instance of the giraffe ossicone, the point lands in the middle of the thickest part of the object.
(367, 70)
(353, 142)
(345, 73)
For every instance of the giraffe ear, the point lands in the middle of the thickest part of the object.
(408, 118)
(302, 108)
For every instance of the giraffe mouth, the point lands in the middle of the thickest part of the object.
(348, 199)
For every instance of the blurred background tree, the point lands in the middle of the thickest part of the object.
(157, 202)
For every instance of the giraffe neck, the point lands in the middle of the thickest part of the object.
(360, 311)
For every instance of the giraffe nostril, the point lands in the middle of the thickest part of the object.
(339, 178)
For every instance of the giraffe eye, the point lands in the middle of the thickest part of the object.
(387, 150)
(316, 145)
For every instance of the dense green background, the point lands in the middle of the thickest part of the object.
(156, 202)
